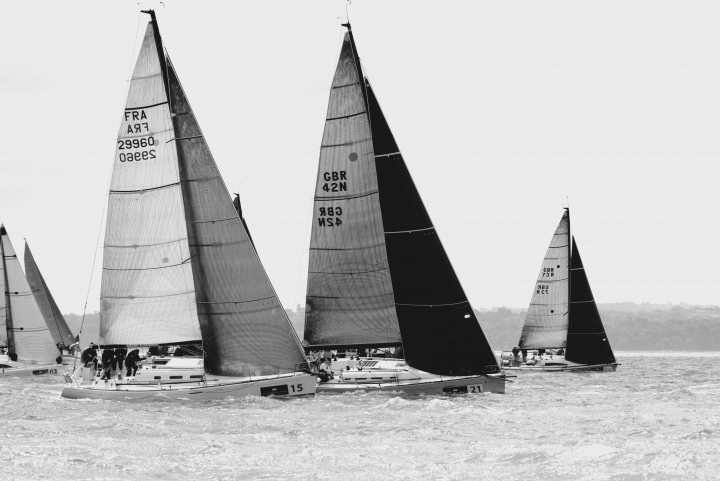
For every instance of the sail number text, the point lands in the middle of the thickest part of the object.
(543, 289)
(330, 216)
(335, 181)
(548, 272)
(137, 149)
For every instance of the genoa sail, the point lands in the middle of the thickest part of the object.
(28, 335)
(54, 319)
(587, 342)
(377, 266)
(350, 299)
(147, 293)
(546, 322)
(245, 329)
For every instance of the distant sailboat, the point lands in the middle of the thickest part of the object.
(179, 270)
(378, 274)
(25, 341)
(54, 319)
(562, 321)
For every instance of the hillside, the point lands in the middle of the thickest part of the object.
(630, 327)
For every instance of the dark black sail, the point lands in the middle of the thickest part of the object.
(438, 328)
(587, 342)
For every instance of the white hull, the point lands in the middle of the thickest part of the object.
(219, 387)
(380, 374)
(568, 366)
(11, 368)
(438, 385)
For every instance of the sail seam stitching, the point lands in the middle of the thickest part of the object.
(410, 231)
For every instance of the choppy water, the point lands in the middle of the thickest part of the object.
(656, 418)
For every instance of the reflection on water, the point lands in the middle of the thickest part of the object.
(657, 417)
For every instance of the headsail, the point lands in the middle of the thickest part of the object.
(384, 234)
(587, 342)
(546, 322)
(54, 319)
(148, 292)
(349, 292)
(245, 329)
(28, 335)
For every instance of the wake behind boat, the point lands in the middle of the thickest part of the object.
(378, 274)
(563, 330)
(179, 269)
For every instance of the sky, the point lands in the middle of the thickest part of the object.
(503, 112)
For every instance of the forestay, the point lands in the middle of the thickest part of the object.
(28, 334)
(148, 293)
(350, 298)
(54, 319)
(546, 322)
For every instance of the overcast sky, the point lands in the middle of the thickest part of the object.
(501, 109)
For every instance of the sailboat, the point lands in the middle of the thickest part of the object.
(59, 330)
(26, 347)
(562, 329)
(378, 275)
(180, 275)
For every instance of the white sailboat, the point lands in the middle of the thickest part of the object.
(26, 346)
(378, 274)
(179, 270)
(562, 330)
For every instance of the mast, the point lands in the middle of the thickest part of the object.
(569, 267)
(160, 50)
(361, 76)
(6, 290)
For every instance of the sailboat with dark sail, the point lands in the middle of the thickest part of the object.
(59, 330)
(563, 330)
(26, 347)
(378, 274)
(181, 280)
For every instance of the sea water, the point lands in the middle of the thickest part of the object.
(656, 418)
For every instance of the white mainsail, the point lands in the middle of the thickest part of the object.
(148, 293)
(546, 322)
(31, 338)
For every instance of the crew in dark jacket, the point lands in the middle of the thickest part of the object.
(108, 357)
(119, 360)
(132, 360)
(89, 356)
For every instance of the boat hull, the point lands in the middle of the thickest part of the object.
(28, 370)
(291, 385)
(612, 367)
(439, 385)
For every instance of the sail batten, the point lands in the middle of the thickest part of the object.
(547, 318)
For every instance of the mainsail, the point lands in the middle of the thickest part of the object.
(147, 294)
(378, 272)
(587, 342)
(54, 319)
(178, 264)
(546, 322)
(27, 333)
(350, 298)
